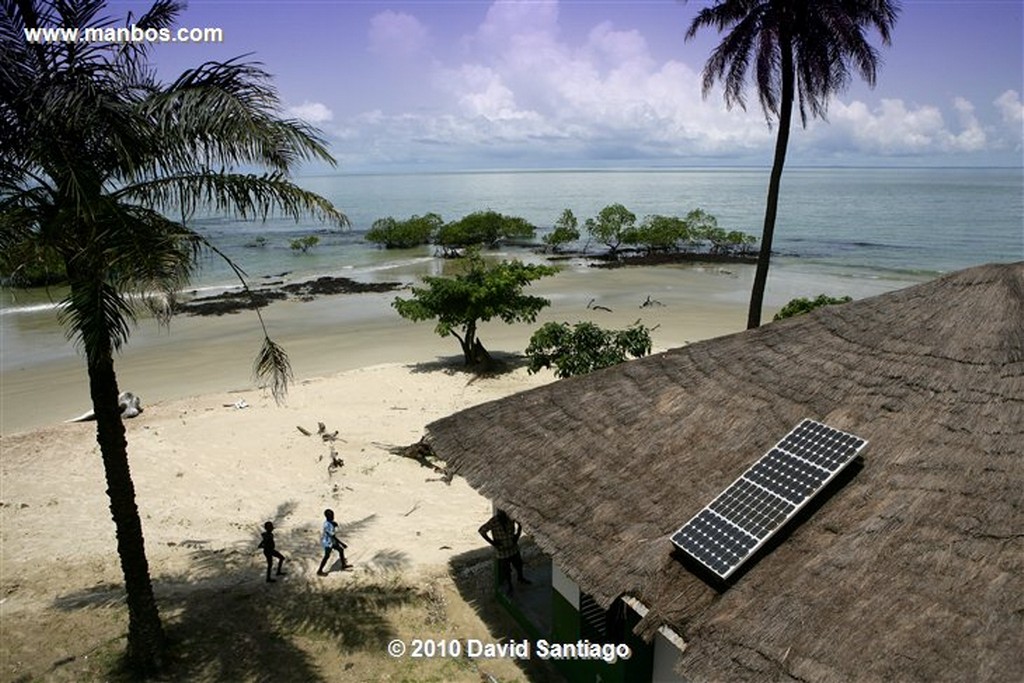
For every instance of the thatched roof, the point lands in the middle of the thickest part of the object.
(914, 569)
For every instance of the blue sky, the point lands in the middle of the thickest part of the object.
(468, 84)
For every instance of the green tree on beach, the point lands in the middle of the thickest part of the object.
(799, 50)
(482, 229)
(611, 226)
(412, 232)
(102, 167)
(566, 230)
(482, 292)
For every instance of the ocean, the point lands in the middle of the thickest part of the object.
(904, 223)
(859, 232)
(859, 225)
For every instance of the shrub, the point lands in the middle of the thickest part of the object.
(657, 233)
(304, 244)
(584, 347)
(801, 305)
(566, 230)
(483, 228)
(412, 232)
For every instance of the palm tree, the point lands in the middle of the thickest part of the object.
(796, 49)
(101, 169)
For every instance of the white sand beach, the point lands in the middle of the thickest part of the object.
(208, 473)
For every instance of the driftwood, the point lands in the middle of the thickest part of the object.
(597, 307)
(424, 455)
(336, 463)
(324, 435)
(130, 404)
(650, 302)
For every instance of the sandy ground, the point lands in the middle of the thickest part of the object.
(209, 473)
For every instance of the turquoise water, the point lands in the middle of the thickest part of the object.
(878, 221)
(870, 223)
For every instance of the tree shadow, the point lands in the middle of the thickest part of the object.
(502, 363)
(224, 622)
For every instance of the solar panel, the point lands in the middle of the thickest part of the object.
(725, 533)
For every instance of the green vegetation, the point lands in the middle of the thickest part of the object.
(799, 306)
(616, 226)
(658, 233)
(482, 228)
(304, 244)
(773, 42)
(477, 295)
(585, 347)
(412, 232)
(102, 169)
(611, 226)
(566, 230)
(26, 265)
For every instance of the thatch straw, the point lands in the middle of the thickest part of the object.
(912, 569)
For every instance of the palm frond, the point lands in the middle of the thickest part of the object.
(824, 38)
(227, 113)
(245, 196)
(96, 315)
(273, 368)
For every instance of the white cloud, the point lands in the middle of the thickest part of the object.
(508, 21)
(312, 112)
(1011, 108)
(893, 128)
(397, 34)
(519, 88)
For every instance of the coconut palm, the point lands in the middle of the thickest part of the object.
(800, 50)
(102, 168)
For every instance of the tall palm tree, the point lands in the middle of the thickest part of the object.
(101, 169)
(795, 49)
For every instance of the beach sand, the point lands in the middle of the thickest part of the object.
(208, 473)
(199, 355)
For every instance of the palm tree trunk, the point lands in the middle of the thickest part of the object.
(145, 632)
(774, 183)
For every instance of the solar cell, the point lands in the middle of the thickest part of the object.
(768, 494)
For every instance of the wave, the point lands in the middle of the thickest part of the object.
(30, 308)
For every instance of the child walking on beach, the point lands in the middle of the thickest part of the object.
(330, 542)
(270, 550)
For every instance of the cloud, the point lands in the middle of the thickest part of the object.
(312, 112)
(397, 34)
(518, 87)
(893, 128)
(1011, 108)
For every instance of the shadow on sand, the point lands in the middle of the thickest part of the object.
(473, 574)
(501, 363)
(224, 622)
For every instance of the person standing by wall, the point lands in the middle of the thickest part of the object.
(502, 532)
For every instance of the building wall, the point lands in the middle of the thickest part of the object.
(666, 656)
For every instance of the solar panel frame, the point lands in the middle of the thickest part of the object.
(730, 529)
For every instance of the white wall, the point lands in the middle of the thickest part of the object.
(566, 587)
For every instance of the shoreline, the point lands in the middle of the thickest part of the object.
(47, 383)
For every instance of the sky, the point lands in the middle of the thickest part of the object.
(520, 84)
